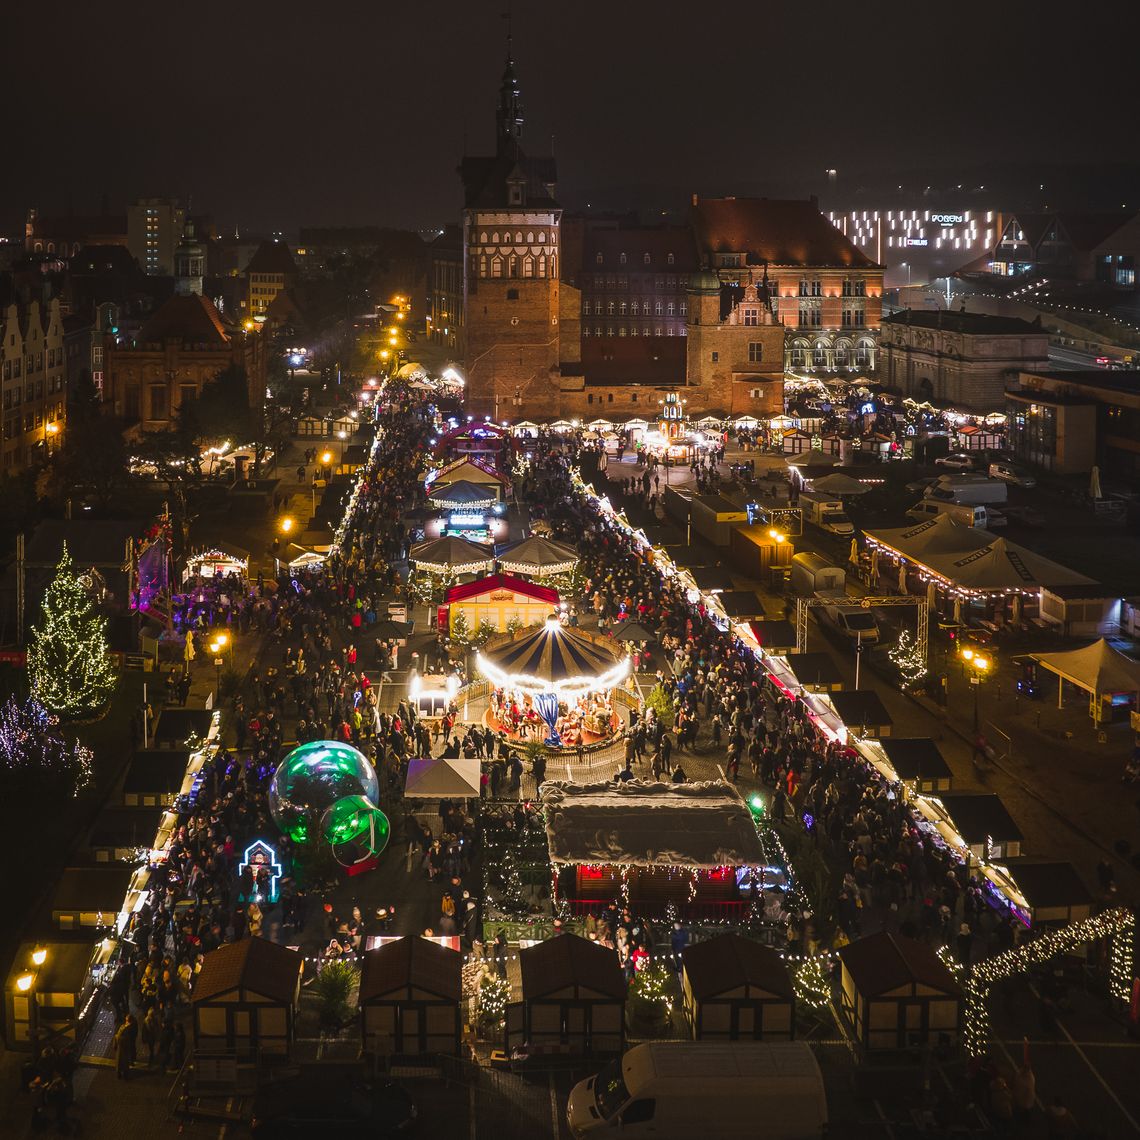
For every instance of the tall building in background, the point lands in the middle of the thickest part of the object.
(154, 229)
(33, 367)
(189, 262)
(511, 254)
(270, 271)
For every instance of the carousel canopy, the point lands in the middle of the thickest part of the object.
(703, 824)
(454, 554)
(553, 659)
(430, 779)
(538, 557)
(464, 493)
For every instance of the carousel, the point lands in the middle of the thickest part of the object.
(557, 686)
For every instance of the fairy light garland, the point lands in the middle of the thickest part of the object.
(811, 982)
(1118, 924)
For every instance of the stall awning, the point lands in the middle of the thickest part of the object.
(1097, 668)
(452, 778)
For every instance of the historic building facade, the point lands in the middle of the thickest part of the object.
(967, 359)
(824, 290)
(34, 369)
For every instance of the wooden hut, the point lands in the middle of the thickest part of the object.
(182, 728)
(120, 832)
(154, 778)
(90, 897)
(737, 990)
(979, 822)
(245, 999)
(410, 993)
(573, 998)
(897, 993)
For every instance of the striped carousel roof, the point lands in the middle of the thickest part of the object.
(554, 658)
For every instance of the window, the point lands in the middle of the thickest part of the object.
(658, 308)
(622, 259)
(495, 237)
(816, 318)
(716, 357)
(621, 331)
(528, 266)
(859, 318)
(610, 398)
(657, 330)
(518, 238)
(512, 294)
(542, 266)
(730, 260)
(483, 237)
(621, 308)
(633, 398)
(610, 306)
(496, 267)
(597, 259)
(645, 259)
(512, 266)
(751, 316)
(669, 309)
(847, 319)
(530, 238)
(683, 308)
(805, 317)
(589, 398)
(755, 352)
(669, 258)
(541, 236)
(817, 288)
(819, 355)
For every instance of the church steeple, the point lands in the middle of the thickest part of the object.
(509, 114)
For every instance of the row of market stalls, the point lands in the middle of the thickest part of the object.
(55, 981)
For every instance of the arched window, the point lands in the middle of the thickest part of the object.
(542, 236)
(610, 308)
(645, 259)
(483, 236)
(622, 259)
(512, 266)
(670, 259)
(528, 267)
(518, 237)
(657, 309)
(529, 238)
(597, 257)
(496, 267)
(495, 237)
(542, 267)
(819, 354)
(621, 308)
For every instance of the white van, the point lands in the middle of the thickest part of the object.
(962, 513)
(678, 1090)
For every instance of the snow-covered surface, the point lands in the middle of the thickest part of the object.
(649, 824)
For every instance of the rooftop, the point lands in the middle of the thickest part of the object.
(972, 324)
(883, 962)
(264, 967)
(272, 257)
(190, 319)
(411, 963)
(730, 962)
(773, 231)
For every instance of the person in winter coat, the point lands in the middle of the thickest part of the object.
(126, 1041)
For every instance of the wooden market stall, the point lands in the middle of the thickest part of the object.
(980, 822)
(245, 998)
(688, 849)
(738, 990)
(915, 762)
(863, 711)
(573, 998)
(182, 728)
(410, 991)
(816, 672)
(153, 778)
(1051, 892)
(896, 993)
(50, 996)
(120, 832)
(497, 601)
(90, 897)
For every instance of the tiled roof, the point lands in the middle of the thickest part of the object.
(485, 179)
(272, 257)
(191, 320)
(570, 962)
(973, 324)
(265, 967)
(502, 582)
(775, 231)
(729, 962)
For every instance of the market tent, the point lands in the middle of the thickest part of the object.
(554, 658)
(453, 554)
(538, 557)
(468, 468)
(839, 484)
(638, 823)
(1097, 668)
(1003, 565)
(448, 778)
(296, 557)
(633, 630)
(463, 493)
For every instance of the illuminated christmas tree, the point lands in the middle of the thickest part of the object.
(908, 660)
(34, 753)
(70, 670)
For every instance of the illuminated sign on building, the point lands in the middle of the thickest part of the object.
(918, 241)
(948, 219)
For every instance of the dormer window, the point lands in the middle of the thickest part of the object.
(515, 193)
(645, 259)
(597, 259)
(622, 259)
(670, 259)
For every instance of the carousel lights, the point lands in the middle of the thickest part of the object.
(527, 683)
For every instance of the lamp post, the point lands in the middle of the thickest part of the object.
(977, 666)
(50, 428)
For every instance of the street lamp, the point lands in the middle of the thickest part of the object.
(50, 428)
(978, 667)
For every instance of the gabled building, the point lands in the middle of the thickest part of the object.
(270, 271)
(33, 368)
(1066, 246)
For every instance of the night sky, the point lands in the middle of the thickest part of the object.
(283, 114)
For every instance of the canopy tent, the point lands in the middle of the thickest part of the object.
(811, 458)
(449, 778)
(1099, 669)
(463, 493)
(553, 659)
(600, 424)
(839, 484)
(217, 561)
(538, 557)
(705, 824)
(745, 421)
(524, 427)
(451, 555)
(632, 630)
(469, 468)
(297, 557)
(710, 421)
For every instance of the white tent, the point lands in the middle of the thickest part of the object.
(1103, 672)
(430, 779)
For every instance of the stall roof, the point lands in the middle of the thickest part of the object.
(837, 483)
(536, 552)
(267, 968)
(742, 604)
(707, 825)
(915, 758)
(102, 887)
(773, 635)
(156, 771)
(976, 815)
(859, 707)
(1048, 885)
(884, 962)
(711, 578)
(176, 726)
(411, 962)
(730, 962)
(227, 549)
(125, 827)
(462, 493)
(502, 582)
(569, 962)
(443, 778)
(1096, 668)
(814, 668)
(64, 970)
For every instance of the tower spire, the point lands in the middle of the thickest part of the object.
(509, 115)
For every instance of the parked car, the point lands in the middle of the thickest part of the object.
(338, 1103)
(1018, 476)
(957, 460)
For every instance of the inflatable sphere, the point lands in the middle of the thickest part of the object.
(312, 778)
(356, 829)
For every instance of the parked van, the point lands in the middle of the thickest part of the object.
(825, 512)
(678, 1090)
(962, 513)
(812, 572)
(852, 621)
(976, 489)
